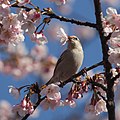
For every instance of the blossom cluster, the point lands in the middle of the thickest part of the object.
(14, 26)
(21, 62)
(111, 24)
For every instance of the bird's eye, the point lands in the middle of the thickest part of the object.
(75, 38)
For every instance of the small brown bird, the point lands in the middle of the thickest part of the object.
(69, 62)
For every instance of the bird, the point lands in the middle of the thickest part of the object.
(69, 62)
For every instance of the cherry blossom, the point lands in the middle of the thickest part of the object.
(39, 52)
(100, 106)
(114, 57)
(113, 17)
(49, 103)
(39, 38)
(52, 92)
(25, 107)
(19, 49)
(47, 67)
(6, 111)
(14, 91)
(62, 35)
(4, 10)
(11, 31)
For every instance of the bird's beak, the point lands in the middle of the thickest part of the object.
(69, 38)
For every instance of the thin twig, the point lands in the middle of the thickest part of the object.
(99, 85)
(73, 21)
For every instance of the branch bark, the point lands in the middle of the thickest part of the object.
(73, 21)
(107, 65)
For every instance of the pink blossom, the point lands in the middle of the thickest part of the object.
(25, 107)
(4, 9)
(52, 92)
(47, 67)
(114, 42)
(114, 57)
(29, 27)
(11, 21)
(14, 91)
(6, 111)
(39, 38)
(11, 31)
(113, 17)
(19, 49)
(34, 15)
(39, 52)
(62, 35)
(48, 103)
(100, 106)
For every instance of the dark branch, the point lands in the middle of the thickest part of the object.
(107, 66)
(99, 85)
(73, 21)
(24, 7)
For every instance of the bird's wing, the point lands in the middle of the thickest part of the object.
(62, 57)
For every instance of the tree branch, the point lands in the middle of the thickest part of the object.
(81, 73)
(73, 21)
(99, 85)
(107, 65)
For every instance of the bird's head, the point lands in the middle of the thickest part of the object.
(73, 42)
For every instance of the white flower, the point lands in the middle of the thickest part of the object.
(29, 27)
(62, 35)
(111, 11)
(52, 92)
(14, 91)
(25, 107)
(39, 38)
(114, 57)
(100, 106)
